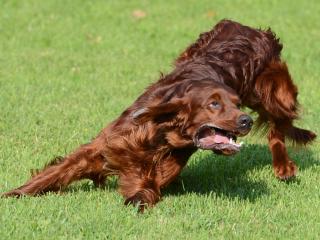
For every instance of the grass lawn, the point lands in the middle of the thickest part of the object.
(67, 68)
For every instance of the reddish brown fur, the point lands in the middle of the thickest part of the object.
(148, 145)
(248, 60)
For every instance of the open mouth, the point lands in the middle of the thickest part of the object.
(220, 141)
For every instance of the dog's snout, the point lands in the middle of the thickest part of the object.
(245, 122)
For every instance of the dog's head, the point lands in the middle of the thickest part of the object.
(203, 111)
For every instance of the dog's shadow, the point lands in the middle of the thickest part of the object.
(238, 176)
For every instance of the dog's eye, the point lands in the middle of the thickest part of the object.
(215, 105)
(239, 105)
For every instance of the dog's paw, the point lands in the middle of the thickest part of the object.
(286, 171)
(138, 201)
(13, 193)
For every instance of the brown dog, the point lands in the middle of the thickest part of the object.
(150, 143)
(248, 60)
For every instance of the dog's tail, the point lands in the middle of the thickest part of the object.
(278, 95)
(299, 135)
(83, 163)
(292, 133)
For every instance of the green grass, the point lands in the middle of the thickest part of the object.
(67, 68)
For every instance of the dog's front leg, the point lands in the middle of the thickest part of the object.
(139, 188)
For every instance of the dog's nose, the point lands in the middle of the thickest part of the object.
(245, 122)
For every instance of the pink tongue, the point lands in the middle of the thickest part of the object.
(220, 139)
(209, 140)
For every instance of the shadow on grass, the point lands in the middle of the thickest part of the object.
(236, 176)
(208, 173)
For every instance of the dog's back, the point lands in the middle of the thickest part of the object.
(229, 36)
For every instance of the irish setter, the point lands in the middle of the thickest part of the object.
(150, 143)
(248, 60)
(195, 106)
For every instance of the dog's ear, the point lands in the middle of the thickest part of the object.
(162, 112)
(277, 91)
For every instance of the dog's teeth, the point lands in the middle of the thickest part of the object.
(239, 144)
(231, 141)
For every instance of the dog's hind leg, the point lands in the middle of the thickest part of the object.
(278, 96)
(83, 163)
(284, 167)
